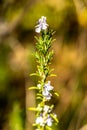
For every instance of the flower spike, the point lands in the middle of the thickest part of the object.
(42, 25)
(45, 118)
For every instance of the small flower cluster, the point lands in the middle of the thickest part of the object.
(42, 25)
(45, 118)
(46, 91)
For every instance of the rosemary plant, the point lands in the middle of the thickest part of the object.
(45, 118)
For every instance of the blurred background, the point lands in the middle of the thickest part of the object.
(17, 44)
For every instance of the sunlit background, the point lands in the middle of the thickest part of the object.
(17, 44)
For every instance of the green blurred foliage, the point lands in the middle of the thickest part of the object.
(15, 121)
(17, 23)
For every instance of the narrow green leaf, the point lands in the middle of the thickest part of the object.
(48, 128)
(39, 98)
(38, 94)
(33, 87)
(54, 117)
(51, 70)
(34, 74)
(56, 94)
(36, 38)
(34, 124)
(32, 109)
(53, 75)
(53, 40)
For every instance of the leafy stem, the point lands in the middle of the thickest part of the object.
(44, 115)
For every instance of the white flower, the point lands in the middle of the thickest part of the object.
(49, 121)
(46, 108)
(42, 25)
(40, 121)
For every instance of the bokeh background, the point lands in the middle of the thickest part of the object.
(17, 44)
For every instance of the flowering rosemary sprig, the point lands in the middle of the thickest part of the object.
(45, 118)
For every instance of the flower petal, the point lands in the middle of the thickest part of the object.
(38, 30)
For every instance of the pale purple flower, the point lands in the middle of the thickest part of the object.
(47, 94)
(49, 121)
(42, 25)
(48, 87)
(42, 121)
(46, 91)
